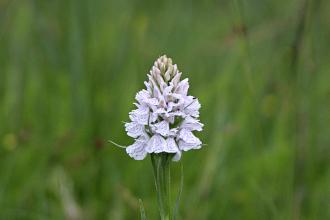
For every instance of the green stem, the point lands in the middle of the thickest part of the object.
(161, 167)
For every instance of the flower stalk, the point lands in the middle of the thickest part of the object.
(162, 176)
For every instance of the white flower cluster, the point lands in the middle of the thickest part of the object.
(165, 116)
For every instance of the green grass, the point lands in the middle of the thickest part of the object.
(69, 71)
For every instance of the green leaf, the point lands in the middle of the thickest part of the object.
(142, 211)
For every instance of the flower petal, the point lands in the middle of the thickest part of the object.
(134, 129)
(177, 113)
(137, 150)
(140, 115)
(156, 144)
(188, 137)
(182, 87)
(173, 132)
(192, 107)
(177, 156)
(176, 79)
(142, 95)
(162, 128)
(172, 147)
(191, 124)
(188, 146)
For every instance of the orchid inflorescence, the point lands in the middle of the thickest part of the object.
(166, 115)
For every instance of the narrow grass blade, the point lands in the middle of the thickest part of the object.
(142, 211)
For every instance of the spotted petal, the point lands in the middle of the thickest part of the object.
(188, 137)
(140, 115)
(191, 124)
(156, 144)
(134, 129)
(192, 107)
(188, 146)
(172, 147)
(162, 128)
(182, 87)
(137, 150)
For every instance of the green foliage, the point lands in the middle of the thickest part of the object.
(69, 71)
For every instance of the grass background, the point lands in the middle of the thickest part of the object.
(69, 71)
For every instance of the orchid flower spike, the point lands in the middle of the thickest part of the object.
(166, 116)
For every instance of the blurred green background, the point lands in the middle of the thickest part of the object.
(69, 71)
